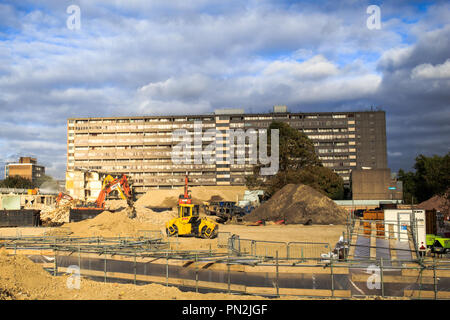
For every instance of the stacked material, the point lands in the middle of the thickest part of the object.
(298, 203)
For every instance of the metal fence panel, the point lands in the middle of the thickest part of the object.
(222, 239)
(307, 250)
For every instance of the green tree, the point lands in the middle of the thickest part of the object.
(409, 185)
(298, 164)
(296, 149)
(431, 177)
(17, 182)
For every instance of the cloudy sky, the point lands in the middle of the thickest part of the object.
(181, 56)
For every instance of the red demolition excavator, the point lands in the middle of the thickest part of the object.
(110, 184)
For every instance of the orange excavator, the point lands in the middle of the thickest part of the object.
(63, 197)
(186, 197)
(110, 184)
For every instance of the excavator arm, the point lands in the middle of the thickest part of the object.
(186, 197)
(121, 185)
(62, 196)
(109, 184)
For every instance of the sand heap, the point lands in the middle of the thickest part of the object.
(21, 279)
(114, 224)
(297, 203)
(169, 197)
(439, 203)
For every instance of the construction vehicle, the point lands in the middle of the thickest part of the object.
(226, 211)
(189, 223)
(109, 185)
(33, 191)
(438, 244)
(65, 198)
(437, 239)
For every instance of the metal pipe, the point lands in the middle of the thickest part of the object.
(196, 275)
(105, 267)
(277, 284)
(381, 276)
(134, 268)
(332, 276)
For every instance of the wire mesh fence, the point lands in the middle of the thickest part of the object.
(131, 262)
(222, 239)
(269, 249)
(305, 250)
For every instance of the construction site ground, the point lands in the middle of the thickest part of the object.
(22, 279)
(285, 233)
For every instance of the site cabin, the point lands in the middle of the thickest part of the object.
(401, 219)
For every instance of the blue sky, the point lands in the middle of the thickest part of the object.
(157, 57)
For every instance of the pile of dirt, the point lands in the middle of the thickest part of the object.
(147, 215)
(21, 279)
(298, 203)
(115, 204)
(438, 203)
(108, 224)
(169, 197)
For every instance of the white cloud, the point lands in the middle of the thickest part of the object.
(316, 67)
(395, 57)
(428, 71)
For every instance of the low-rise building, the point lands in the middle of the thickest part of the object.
(27, 167)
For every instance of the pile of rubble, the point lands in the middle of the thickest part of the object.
(57, 214)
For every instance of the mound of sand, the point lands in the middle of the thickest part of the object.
(439, 203)
(297, 203)
(108, 224)
(21, 279)
(53, 214)
(169, 197)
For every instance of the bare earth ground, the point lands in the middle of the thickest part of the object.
(23, 231)
(284, 233)
(22, 279)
